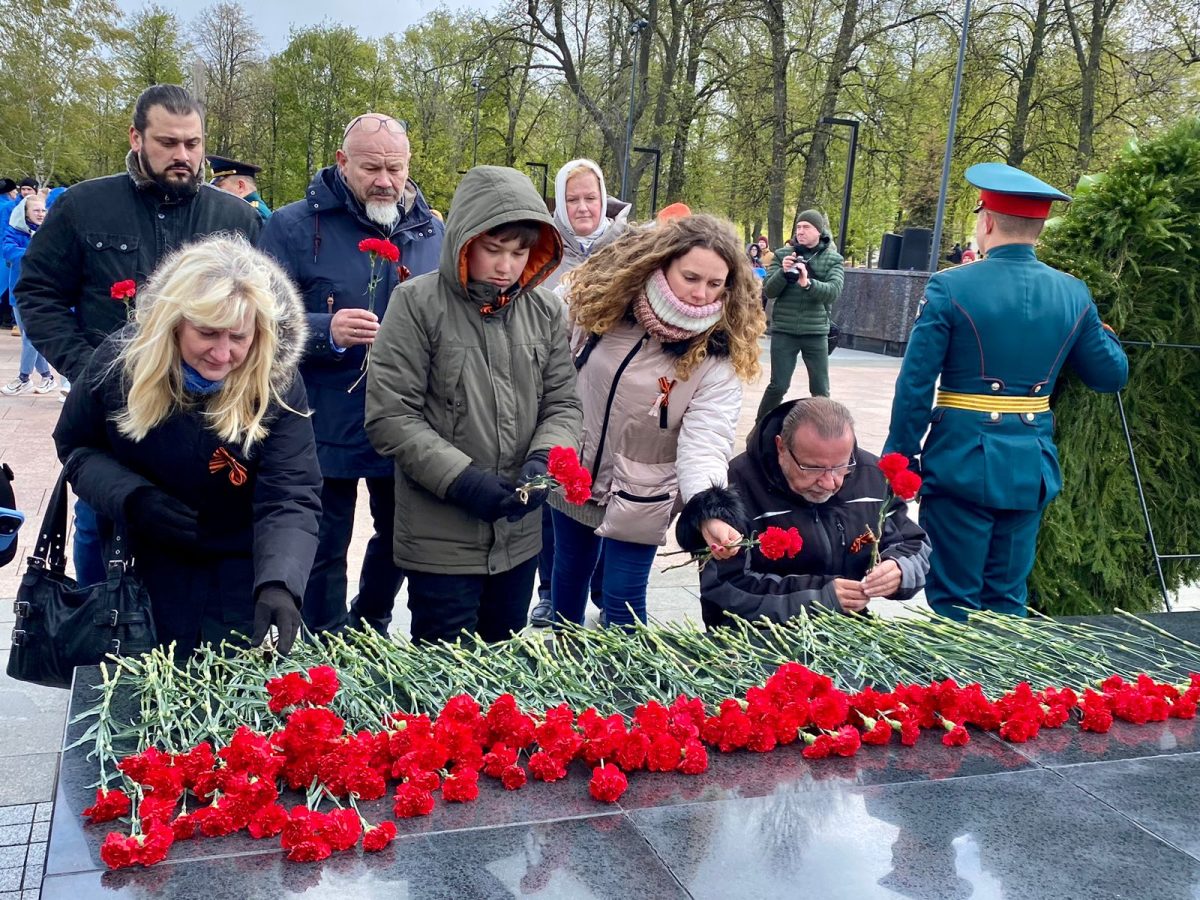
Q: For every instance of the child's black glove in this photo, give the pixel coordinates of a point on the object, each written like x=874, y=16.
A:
x=484, y=495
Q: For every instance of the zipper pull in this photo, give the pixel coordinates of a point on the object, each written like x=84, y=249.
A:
x=329, y=304
x=841, y=533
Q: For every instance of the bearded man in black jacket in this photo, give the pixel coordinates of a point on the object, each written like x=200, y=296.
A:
x=116, y=229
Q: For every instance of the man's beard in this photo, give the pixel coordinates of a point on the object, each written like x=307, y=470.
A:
x=383, y=212
x=173, y=188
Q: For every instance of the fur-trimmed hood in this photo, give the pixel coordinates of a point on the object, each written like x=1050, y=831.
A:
x=292, y=321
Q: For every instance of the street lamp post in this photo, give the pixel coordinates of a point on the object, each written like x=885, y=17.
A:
x=936, y=250
x=657, y=171
x=544, y=168
x=852, y=124
x=477, y=84
x=635, y=29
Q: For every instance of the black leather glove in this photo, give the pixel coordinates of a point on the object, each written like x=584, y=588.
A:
x=484, y=495
x=161, y=518
x=276, y=606
x=534, y=467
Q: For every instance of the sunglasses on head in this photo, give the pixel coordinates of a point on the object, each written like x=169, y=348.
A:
x=372, y=122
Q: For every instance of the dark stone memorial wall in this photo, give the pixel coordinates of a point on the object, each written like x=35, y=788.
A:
x=877, y=307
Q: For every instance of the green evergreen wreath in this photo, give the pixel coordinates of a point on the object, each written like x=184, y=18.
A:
x=1133, y=234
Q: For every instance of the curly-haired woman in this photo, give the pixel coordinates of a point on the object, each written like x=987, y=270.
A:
x=190, y=429
x=666, y=324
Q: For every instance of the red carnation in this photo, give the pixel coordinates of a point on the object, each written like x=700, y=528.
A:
x=109, y=805
x=847, y=741
x=268, y=821
x=323, y=685
x=385, y=249
x=545, y=767
x=184, y=827
x=123, y=290
x=563, y=463
x=286, y=690
x=411, y=801
x=775, y=543
x=461, y=786
x=120, y=850
x=578, y=489
x=695, y=758
x=906, y=484
x=608, y=783
x=892, y=464
x=513, y=777
x=955, y=736
x=821, y=746
x=878, y=733
x=155, y=843
x=376, y=837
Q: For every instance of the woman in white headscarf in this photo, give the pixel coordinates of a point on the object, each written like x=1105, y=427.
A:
x=581, y=206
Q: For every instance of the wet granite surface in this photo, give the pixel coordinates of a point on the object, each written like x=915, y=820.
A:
x=1067, y=815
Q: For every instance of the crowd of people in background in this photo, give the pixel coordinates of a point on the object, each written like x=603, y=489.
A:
x=236, y=373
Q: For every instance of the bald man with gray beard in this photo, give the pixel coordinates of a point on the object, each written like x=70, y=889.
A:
x=367, y=193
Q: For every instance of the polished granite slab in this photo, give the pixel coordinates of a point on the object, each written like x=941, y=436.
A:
x=1160, y=794
x=1028, y=835
x=1068, y=815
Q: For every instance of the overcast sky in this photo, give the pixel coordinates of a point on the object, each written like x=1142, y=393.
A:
x=371, y=18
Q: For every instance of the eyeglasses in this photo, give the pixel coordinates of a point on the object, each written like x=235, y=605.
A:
x=978, y=208
x=395, y=126
x=836, y=471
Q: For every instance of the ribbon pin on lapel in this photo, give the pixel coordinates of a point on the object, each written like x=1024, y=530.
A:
x=223, y=459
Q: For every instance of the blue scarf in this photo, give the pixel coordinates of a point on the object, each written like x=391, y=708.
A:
x=196, y=383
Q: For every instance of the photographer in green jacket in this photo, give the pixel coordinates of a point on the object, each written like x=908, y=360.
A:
x=804, y=280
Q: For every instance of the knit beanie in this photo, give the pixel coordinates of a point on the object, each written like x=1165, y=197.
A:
x=815, y=218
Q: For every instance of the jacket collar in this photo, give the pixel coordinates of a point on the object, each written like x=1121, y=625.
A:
x=1013, y=251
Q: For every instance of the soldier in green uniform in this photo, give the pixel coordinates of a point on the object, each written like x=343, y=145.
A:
x=237, y=178
x=997, y=333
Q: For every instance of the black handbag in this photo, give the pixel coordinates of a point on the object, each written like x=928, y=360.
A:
x=61, y=625
x=834, y=334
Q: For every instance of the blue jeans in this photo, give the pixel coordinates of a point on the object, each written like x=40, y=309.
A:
x=626, y=572
x=88, y=550
x=30, y=358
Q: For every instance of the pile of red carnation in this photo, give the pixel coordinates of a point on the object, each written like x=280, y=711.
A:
x=202, y=793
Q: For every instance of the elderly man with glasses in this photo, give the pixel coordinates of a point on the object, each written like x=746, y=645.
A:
x=367, y=193
x=803, y=469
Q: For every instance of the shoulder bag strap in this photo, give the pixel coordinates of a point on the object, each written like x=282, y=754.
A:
x=50, y=550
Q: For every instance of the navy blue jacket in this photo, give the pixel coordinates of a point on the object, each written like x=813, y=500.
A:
x=316, y=242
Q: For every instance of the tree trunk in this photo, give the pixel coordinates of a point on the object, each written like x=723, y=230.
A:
x=814, y=163
x=1017, y=148
x=777, y=170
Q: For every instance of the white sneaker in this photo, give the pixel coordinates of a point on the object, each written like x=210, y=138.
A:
x=45, y=385
x=16, y=386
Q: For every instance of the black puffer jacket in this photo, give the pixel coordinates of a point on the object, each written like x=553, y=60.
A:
x=98, y=233
x=253, y=530
x=749, y=585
